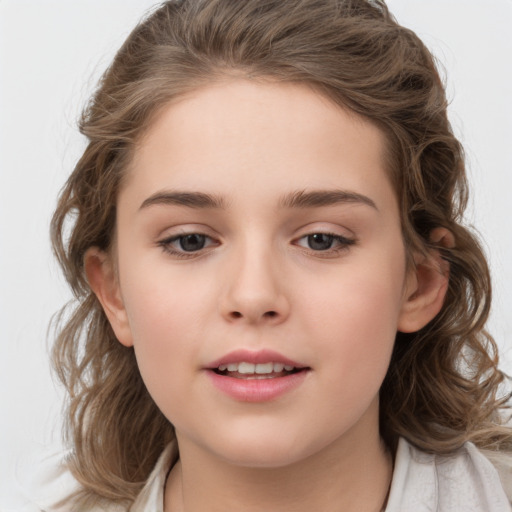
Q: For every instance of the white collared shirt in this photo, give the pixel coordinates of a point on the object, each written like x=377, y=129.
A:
x=463, y=482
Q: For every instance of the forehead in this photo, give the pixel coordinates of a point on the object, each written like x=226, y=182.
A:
x=243, y=136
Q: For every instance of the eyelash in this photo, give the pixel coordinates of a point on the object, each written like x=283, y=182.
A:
x=166, y=245
x=342, y=242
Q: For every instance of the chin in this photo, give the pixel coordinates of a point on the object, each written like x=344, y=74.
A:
x=259, y=451
x=268, y=458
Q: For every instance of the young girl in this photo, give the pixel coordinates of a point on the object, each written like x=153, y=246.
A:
x=278, y=307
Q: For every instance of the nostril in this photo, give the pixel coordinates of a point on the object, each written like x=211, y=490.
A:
x=267, y=314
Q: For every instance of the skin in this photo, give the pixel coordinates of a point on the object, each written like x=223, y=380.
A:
x=259, y=284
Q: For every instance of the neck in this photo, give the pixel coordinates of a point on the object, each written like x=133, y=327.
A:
x=351, y=474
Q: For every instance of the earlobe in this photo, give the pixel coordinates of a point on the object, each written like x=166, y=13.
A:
x=104, y=283
x=426, y=285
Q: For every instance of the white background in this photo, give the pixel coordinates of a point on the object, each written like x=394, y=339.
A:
x=51, y=54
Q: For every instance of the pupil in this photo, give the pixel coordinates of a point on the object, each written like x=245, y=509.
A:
x=193, y=242
x=320, y=241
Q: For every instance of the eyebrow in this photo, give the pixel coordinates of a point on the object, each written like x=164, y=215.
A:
x=190, y=199
x=318, y=198
x=298, y=199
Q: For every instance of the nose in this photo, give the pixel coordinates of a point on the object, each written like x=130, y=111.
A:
x=254, y=289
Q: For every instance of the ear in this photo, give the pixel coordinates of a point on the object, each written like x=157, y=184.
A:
x=426, y=285
x=103, y=281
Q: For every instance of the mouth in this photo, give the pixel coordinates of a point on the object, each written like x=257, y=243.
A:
x=261, y=376
x=257, y=371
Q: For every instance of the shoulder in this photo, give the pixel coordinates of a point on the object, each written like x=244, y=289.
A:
x=38, y=482
x=465, y=480
x=43, y=488
x=34, y=482
x=502, y=462
x=46, y=485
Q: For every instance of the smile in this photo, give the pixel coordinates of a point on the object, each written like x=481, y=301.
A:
x=256, y=376
x=245, y=370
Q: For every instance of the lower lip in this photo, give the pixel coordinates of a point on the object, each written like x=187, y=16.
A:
x=257, y=390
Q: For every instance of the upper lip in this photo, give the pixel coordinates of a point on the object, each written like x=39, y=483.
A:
x=255, y=357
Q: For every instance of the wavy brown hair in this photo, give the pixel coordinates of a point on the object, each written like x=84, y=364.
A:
x=443, y=383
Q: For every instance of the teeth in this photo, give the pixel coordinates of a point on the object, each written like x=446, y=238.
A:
x=264, y=368
x=246, y=367
x=260, y=368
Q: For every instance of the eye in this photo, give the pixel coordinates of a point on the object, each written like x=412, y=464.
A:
x=324, y=242
x=192, y=242
x=186, y=243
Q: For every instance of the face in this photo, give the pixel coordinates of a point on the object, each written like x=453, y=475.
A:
x=261, y=273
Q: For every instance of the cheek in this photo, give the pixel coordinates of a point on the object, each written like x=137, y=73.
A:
x=363, y=322
x=355, y=321
x=163, y=313
x=161, y=300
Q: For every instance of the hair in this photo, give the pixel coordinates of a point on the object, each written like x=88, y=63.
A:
x=443, y=386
